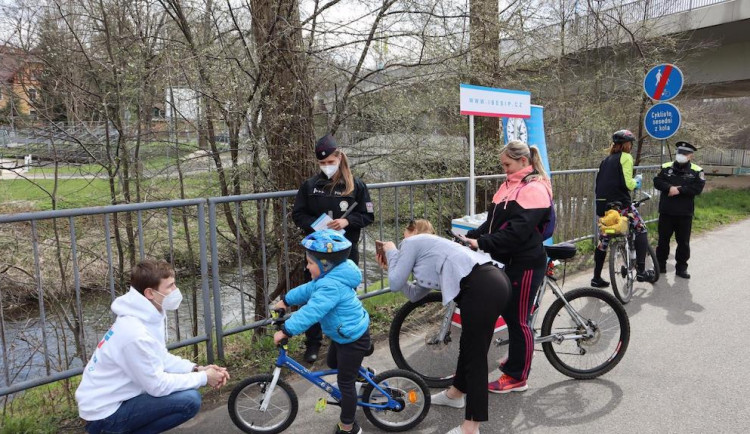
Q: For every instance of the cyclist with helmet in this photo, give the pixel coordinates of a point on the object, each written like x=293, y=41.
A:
x=614, y=182
x=331, y=300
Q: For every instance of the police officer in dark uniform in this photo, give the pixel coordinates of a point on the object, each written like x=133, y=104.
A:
x=336, y=192
x=679, y=182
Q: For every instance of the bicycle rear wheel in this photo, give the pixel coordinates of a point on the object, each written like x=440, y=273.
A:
x=415, y=347
x=592, y=356
x=621, y=271
x=405, y=387
x=245, y=401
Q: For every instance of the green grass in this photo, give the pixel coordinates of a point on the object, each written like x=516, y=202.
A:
x=81, y=193
x=44, y=409
x=72, y=193
x=720, y=206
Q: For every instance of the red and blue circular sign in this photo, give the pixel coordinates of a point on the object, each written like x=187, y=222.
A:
x=663, y=82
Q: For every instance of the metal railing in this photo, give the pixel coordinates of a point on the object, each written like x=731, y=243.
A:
x=56, y=254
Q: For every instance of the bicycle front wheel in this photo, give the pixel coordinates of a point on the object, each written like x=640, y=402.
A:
x=621, y=271
x=247, y=397
x=405, y=387
x=575, y=354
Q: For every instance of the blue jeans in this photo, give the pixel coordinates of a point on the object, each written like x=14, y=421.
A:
x=148, y=414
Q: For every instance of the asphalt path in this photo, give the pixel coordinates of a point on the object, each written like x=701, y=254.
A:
x=685, y=370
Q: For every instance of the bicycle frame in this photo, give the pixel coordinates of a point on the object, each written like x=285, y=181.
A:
x=315, y=377
x=550, y=281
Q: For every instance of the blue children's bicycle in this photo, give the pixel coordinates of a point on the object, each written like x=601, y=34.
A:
x=394, y=401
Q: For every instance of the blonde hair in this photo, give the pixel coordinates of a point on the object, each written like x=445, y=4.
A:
x=620, y=147
x=344, y=173
x=516, y=149
x=420, y=226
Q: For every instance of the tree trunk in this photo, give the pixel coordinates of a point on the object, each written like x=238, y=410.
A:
x=287, y=113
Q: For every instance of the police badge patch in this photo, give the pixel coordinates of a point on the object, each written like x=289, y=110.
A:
x=370, y=207
x=344, y=205
x=702, y=176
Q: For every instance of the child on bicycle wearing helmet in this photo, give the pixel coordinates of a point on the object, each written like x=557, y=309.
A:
x=331, y=299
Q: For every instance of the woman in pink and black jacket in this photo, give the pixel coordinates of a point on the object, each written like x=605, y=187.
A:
x=512, y=234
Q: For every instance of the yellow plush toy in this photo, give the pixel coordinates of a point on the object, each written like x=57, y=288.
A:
x=613, y=223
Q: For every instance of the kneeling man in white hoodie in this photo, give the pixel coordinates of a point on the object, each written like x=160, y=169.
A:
x=132, y=383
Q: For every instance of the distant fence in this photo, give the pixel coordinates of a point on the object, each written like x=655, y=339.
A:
x=724, y=157
x=39, y=345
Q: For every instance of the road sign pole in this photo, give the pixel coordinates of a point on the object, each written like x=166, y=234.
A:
x=472, y=180
x=661, y=157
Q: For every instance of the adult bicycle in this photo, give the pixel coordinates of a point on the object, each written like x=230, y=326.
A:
x=622, y=258
x=584, y=334
x=394, y=401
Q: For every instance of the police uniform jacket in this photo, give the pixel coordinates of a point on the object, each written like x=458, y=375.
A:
x=316, y=197
x=689, y=179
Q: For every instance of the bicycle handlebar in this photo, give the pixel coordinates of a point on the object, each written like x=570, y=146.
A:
x=641, y=201
x=277, y=318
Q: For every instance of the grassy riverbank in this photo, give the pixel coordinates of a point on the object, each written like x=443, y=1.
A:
x=50, y=408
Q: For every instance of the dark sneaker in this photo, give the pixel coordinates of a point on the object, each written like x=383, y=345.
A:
x=598, y=282
x=646, y=276
x=311, y=354
x=663, y=268
x=355, y=429
x=683, y=273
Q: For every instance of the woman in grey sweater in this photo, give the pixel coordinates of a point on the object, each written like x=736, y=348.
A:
x=481, y=290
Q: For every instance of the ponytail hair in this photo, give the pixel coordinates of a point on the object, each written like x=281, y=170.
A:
x=516, y=149
x=343, y=174
x=616, y=147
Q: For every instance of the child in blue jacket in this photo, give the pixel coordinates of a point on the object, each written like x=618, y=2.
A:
x=331, y=299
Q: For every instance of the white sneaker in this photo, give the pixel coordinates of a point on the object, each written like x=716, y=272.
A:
x=457, y=430
x=442, y=399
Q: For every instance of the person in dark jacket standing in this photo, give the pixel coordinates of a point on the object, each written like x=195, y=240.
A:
x=336, y=192
x=512, y=234
x=679, y=182
x=614, y=182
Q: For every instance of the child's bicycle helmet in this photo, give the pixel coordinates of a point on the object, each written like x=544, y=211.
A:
x=328, y=248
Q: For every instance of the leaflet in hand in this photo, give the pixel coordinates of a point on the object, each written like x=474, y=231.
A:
x=322, y=223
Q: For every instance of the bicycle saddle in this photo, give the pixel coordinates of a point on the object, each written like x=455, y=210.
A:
x=614, y=205
x=561, y=251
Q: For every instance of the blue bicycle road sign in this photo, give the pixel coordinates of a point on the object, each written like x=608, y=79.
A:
x=663, y=82
x=662, y=121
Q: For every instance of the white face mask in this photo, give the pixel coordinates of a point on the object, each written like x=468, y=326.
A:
x=681, y=158
x=330, y=169
x=171, y=301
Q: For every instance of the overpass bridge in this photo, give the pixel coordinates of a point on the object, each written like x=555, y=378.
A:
x=719, y=72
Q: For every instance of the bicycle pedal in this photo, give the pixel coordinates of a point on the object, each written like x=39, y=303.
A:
x=320, y=405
